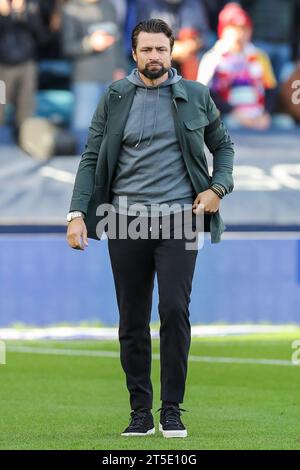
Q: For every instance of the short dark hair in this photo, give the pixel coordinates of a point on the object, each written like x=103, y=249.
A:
x=154, y=25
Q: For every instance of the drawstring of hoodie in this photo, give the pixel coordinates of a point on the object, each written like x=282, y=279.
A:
x=135, y=78
x=143, y=119
x=155, y=118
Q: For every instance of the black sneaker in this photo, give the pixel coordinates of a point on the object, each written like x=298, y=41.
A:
x=141, y=423
x=170, y=423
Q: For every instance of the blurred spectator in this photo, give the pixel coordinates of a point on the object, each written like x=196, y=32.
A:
x=121, y=11
x=21, y=31
x=213, y=8
x=51, y=11
x=90, y=36
x=188, y=20
x=273, y=26
x=296, y=33
x=130, y=23
x=290, y=88
x=290, y=94
x=237, y=72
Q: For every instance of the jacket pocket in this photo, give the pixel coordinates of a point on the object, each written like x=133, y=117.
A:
x=194, y=134
x=196, y=123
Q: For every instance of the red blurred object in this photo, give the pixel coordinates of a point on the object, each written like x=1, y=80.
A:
x=233, y=15
x=189, y=68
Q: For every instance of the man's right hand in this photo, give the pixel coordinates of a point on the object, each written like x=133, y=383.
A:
x=77, y=234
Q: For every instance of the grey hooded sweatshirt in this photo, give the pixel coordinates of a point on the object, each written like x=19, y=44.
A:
x=150, y=168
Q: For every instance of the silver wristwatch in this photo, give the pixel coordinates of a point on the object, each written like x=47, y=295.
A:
x=73, y=215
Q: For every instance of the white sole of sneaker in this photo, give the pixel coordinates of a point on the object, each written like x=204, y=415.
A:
x=134, y=434
x=167, y=434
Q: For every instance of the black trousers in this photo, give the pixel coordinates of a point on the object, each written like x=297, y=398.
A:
x=134, y=264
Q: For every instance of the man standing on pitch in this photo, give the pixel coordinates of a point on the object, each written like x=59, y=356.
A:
x=146, y=142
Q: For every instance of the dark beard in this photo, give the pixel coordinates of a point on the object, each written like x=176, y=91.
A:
x=154, y=74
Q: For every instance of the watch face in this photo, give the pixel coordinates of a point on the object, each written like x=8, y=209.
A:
x=69, y=217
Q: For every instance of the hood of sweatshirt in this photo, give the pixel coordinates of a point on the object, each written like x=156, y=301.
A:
x=173, y=77
x=135, y=78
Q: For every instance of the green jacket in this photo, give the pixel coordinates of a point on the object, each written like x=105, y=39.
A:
x=196, y=122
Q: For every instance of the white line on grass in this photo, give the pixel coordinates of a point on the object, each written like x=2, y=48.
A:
x=91, y=353
x=197, y=331
x=56, y=174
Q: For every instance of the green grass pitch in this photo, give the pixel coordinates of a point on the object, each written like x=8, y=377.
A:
x=51, y=401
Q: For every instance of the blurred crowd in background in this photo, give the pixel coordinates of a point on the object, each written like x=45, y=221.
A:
x=58, y=56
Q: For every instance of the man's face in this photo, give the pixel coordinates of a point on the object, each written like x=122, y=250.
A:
x=153, y=54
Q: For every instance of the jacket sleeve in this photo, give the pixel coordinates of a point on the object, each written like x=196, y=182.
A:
x=85, y=177
x=220, y=145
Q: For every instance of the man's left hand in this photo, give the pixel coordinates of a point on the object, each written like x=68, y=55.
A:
x=209, y=201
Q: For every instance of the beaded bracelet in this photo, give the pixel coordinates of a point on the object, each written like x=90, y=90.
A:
x=218, y=190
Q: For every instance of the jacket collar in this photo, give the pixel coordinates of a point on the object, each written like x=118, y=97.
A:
x=179, y=90
x=125, y=86
x=122, y=86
